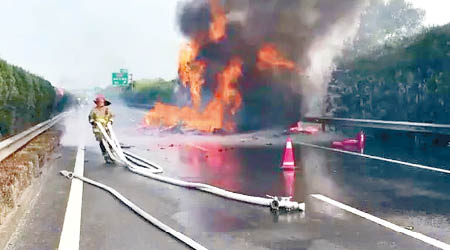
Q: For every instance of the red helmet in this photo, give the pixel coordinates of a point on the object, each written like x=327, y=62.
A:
x=101, y=97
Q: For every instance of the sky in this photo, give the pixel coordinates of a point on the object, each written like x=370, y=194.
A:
x=79, y=43
x=436, y=11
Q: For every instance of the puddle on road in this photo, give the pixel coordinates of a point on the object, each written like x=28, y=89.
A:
x=379, y=188
x=370, y=185
x=251, y=170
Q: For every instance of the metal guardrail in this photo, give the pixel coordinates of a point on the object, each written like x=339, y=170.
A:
x=140, y=106
x=442, y=129
x=12, y=144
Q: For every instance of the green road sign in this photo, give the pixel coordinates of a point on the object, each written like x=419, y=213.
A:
x=120, y=79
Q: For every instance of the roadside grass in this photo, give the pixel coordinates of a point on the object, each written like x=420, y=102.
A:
x=19, y=169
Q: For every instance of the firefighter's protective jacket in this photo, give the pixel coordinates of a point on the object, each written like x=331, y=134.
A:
x=101, y=115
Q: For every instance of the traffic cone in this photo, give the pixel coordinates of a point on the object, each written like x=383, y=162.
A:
x=361, y=137
x=288, y=158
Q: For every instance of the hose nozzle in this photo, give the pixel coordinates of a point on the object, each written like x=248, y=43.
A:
x=285, y=203
x=67, y=174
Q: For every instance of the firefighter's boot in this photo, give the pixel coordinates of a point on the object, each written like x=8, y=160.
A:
x=108, y=159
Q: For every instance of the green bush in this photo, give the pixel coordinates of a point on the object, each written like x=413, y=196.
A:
x=25, y=99
x=148, y=91
x=409, y=82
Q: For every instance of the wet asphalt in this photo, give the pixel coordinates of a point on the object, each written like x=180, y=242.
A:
x=249, y=163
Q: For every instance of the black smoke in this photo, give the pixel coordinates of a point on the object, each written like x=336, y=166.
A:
x=194, y=17
x=276, y=97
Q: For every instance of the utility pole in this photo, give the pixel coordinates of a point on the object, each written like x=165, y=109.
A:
x=131, y=82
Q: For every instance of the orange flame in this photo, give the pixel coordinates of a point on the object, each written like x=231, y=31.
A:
x=220, y=111
x=219, y=21
x=188, y=53
x=269, y=57
x=217, y=114
x=191, y=71
x=196, y=82
x=227, y=89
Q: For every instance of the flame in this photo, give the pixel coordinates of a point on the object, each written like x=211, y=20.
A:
x=227, y=90
x=196, y=82
x=218, y=113
x=191, y=71
x=269, y=57
x=188, y=53
x=219, y=20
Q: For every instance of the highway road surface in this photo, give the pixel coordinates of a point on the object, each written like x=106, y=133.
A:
x=409, y=197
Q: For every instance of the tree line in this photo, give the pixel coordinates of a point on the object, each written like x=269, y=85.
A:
x=408, y=81
x=147, y=91
x=26, y=99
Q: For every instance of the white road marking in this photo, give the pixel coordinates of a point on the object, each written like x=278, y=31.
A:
x=409, y=164
x=70, y=235
x=384, y=223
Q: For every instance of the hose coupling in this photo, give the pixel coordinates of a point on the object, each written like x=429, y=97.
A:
x=285, y=203
x=67, y=174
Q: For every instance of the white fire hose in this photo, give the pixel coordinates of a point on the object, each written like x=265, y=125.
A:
x=150, y=169
x=188, y=241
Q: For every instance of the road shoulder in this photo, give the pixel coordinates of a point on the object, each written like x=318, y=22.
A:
x=41, y=224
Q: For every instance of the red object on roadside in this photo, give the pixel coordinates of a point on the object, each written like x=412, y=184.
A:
x=352, y=144
x=299, y=128
x=288, y=157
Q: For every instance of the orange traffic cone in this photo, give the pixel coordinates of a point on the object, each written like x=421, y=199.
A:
x=288, y=158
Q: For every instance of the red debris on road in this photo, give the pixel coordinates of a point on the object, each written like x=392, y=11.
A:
x=298, y=127
x=356, y=144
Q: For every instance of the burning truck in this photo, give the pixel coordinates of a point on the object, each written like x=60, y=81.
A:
x=245, y=62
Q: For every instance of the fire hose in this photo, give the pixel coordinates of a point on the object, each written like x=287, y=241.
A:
x=150, y=169
x=188, y=241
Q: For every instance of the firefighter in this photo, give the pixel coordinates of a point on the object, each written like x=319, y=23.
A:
x=101, y=114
